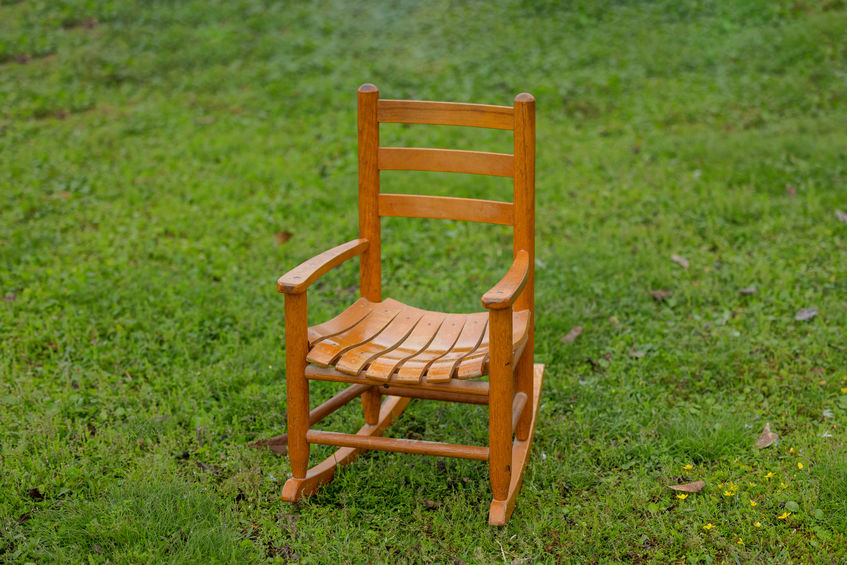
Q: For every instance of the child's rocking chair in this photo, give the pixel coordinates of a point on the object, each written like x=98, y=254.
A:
x=387, y=349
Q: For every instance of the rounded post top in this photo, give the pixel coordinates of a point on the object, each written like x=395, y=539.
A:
x=368, y=87
x=524, y=97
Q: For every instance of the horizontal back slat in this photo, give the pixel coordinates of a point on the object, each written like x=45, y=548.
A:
x=445, y=160
x=446, y=208
x=446, y=113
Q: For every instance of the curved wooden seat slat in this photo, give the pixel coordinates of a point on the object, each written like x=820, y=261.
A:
x=327, y=351
x=393, y=342
x=383, y=366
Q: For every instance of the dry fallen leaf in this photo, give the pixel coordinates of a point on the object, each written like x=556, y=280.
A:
x=569, y=337
x=791, y=190
x=282, y=236
x=660, y=295
x=841, y=216
x=277, y=444
x=679, y=260
x=767, y=438
x=696, y=486
x=748, y=290
x=805, y=314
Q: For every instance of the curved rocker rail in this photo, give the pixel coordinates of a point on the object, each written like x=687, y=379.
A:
x=501, y=510
x=295, y=489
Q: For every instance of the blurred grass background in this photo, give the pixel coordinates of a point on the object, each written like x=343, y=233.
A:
x=161, y=163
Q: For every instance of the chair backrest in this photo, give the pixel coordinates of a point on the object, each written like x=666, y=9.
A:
x=520, y=165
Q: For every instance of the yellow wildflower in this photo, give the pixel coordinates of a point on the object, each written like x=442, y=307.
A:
x=758, y=524
x=783, y=485
x=844, y=390
x=682, y=496
x=708, y=526
x=740, y=541
x=791, y=451
x=784, y=515
x=769, y=475
x=728, y=493
x=799, y=465
x=753, y=502
x=688, y=467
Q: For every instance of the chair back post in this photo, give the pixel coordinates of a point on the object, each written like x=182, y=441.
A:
x=524, y=198
x=370, y=270
x=524, y=201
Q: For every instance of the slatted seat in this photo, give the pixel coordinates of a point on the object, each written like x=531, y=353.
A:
x=389, y=352
x=392, y=342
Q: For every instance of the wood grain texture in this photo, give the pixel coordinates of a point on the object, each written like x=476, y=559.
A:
x=506, y=292
x=356, y=359
x=370, y=268
x=524, y=199
x=382, y=367
x=442, y=368
x=412, y=371
x=445, y=160
x=343, y=322
x=299, y=278
x=474, y=365
x=446, y=208
x=477, y=388
x=296, y=385
x=327, y=351
x=500, y=403
x=445, y=113
x=296, y=488
x=479, y=453
x=501, y=510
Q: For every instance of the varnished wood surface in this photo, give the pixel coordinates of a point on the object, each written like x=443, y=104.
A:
x=524, y=240
x=445, y=160
x=476, y=388
x=298, y=279
x=469, y=339
x=370, y=267
x=501, y=509
x=343, y=322
x=296, y=488
x=328, y=350
x=501, y=391
x=402, y=445
x=506, y=292
x=382, y=367
x=413, y=346
x=445, y=113
x=296, y=385
x=446, y=208
x=382, y=347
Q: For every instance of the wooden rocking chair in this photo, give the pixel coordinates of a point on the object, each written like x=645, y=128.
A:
x=385, y=348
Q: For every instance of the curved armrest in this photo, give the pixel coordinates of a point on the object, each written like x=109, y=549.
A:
x=298, y=279
x=503, y=294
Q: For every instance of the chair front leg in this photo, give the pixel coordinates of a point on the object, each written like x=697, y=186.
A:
x=501, y=393
x=296, y=385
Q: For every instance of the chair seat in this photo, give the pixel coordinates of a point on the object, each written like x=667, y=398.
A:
x=389, y=340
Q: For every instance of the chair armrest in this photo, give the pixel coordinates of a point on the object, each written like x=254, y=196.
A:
x=298, y=279
x=503, y=294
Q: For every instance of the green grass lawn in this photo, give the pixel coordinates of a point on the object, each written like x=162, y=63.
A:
x=162, y=163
